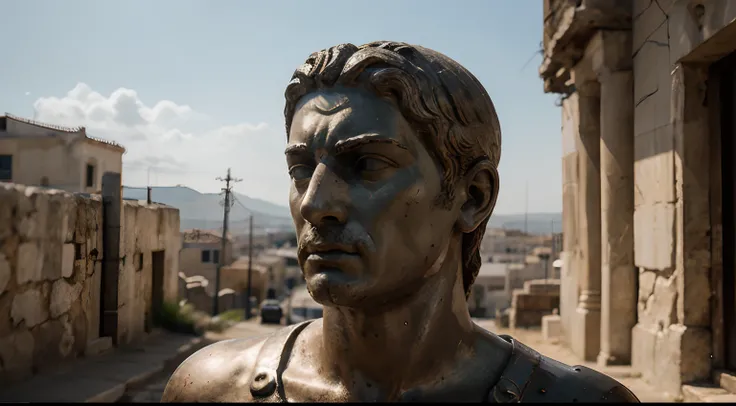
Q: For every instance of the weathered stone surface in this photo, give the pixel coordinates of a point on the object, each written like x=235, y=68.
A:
x=51, y=268
x=16, y=352
x=7, y=204
x=654, y=167
x=62, y=296
x=29, y=307
x=551, y=327
x=646, y=283
x=67, y=260
x=4, y=273
x=661, y=306
x=654, y=236
x=653, y=83
x=78, y=321
x=643, y=341
x=30, y=263
x=47, y=337
x=66, y=344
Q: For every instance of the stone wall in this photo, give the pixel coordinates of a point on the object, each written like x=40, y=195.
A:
x=146, y=229
x=50, y=274
x=672, y=338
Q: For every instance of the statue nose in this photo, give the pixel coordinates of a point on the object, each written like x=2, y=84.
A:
x=326, y=199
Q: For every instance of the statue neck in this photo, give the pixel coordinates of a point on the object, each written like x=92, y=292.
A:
x=412, y=342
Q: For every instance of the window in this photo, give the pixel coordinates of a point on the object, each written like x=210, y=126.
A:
x=205, y=255
x=216, y=256
x=6, y=167
x=90, y=175
x=139, y=265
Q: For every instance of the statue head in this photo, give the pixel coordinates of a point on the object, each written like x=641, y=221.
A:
x=393, y=152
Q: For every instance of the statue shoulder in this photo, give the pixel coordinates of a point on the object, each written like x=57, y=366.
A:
x=532, y=377
x=213, y=373
x=577, y=384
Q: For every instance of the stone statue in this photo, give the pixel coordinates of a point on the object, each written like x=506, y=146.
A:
x=392, y=151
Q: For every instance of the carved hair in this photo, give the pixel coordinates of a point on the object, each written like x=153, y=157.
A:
x=445, y=104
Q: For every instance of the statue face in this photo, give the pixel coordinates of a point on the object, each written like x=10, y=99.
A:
x=363, y=199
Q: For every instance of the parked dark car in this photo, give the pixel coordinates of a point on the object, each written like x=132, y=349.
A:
x=271, y=312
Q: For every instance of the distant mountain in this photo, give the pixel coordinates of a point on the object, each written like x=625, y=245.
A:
x=536, y=223
x=204, y=210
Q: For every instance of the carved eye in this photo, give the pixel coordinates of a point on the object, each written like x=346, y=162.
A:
x=300, y=172
x=372, y=164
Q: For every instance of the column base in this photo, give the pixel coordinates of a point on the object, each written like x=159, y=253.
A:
x=586, y=340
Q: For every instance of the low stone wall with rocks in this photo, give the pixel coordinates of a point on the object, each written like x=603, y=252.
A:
x=50, y=274
x=538, y=298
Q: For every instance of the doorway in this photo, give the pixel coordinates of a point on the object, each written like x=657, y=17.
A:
x=725, y=70
x=157, y=289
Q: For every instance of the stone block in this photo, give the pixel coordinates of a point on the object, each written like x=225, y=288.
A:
x=4, y=273
x=650, y=16
x=528, y=301
x=643, y=342
x=67, y=260
x=30, y=263
x=51, y=252
x=63, y=295
x=654, y=166
x=8, y=201
x=16, y=351
x=526, y=318
x=29, y=306
x=653, y=83
x=654, y=236
x=646, y=283
x=661, y=306
x=551, y=327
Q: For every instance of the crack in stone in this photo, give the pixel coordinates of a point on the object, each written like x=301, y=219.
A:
x=636, y=17
x=646, y=97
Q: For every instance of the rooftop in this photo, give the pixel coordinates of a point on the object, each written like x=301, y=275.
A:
x=67, y=130
x=202, y=236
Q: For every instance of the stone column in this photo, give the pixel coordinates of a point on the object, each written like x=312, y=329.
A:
x=586, y=341
x=618, y=273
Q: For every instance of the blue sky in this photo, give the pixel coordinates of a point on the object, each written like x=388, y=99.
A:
x=191, y=88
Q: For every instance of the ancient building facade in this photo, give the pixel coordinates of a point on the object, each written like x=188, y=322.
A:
x=646, y=92
x=63, y=261
x=33, y=153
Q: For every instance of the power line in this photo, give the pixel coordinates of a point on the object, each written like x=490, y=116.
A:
x=223, y=251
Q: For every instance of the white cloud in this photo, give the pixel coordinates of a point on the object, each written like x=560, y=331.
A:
x=178, y=144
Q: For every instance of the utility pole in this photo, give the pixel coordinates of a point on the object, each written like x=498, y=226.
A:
x=526, y=209
x=248, y=311
x=223, y=251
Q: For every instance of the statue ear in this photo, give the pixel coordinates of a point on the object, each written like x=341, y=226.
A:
x=481, y=192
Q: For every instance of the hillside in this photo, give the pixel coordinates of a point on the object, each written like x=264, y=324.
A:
x=204, y=210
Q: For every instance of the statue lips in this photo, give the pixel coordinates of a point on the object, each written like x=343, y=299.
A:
x=330, y=256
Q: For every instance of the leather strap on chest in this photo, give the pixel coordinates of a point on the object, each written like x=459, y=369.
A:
x=266, y=384
x=519, y=371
